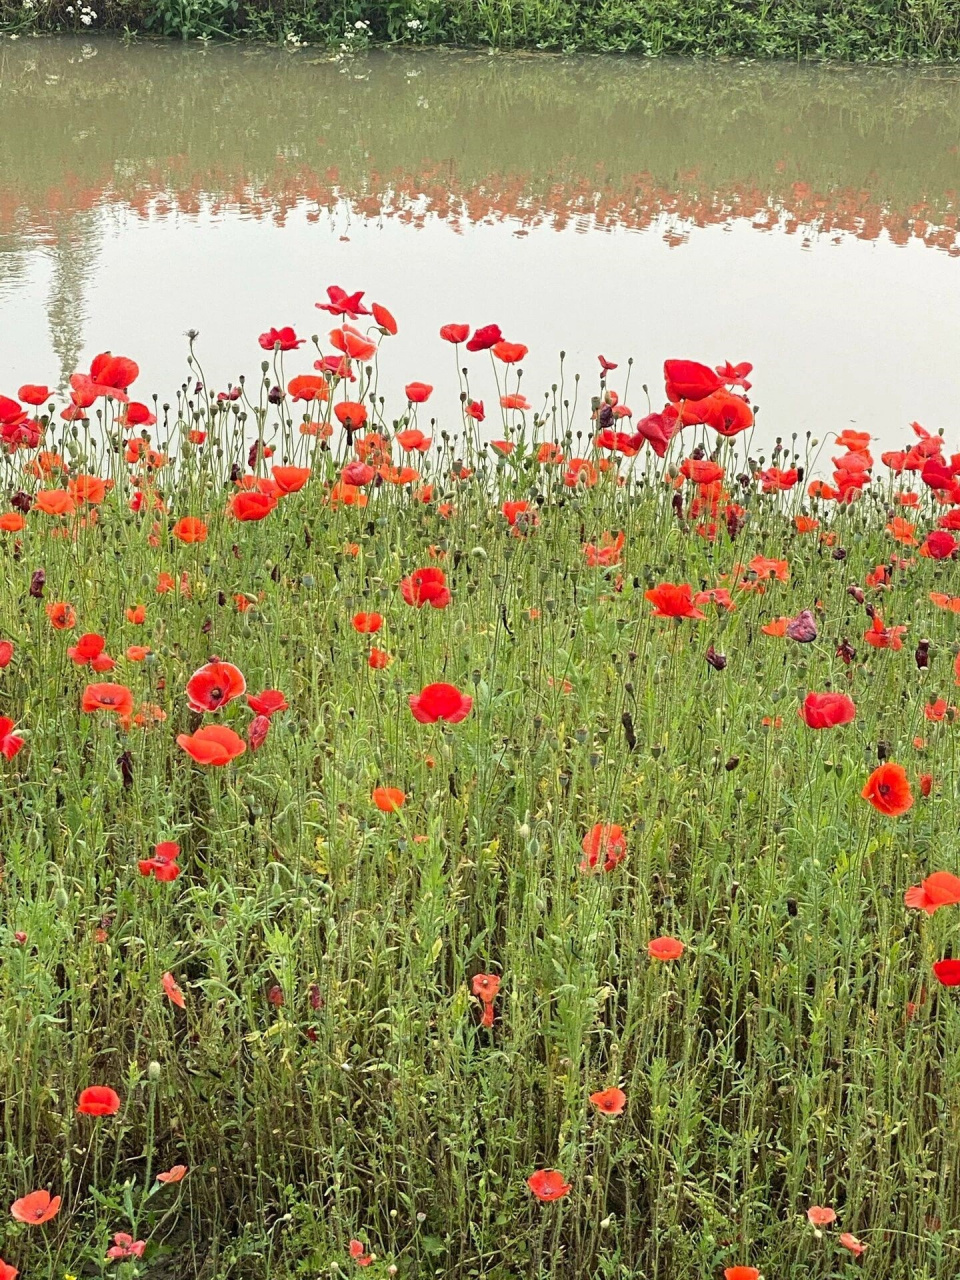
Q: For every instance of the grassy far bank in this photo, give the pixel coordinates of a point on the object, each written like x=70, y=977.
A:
x=854, y=30
x=357, y=963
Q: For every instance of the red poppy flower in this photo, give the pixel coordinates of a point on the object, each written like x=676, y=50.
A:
x=384, y=318
x=214, y=685
x=611, y=1101
x=113, y=373
x=357, y=1254
x=413, y=440
x=252, y=505
x=509, y=352
x=350, y=413
x=938, y=890
x=485, y=337
x=124, y=1246
x=54, y=502
x=735, y=375
x=827, y=710
x=163, y=865
x=947, y=972
x=455, y=333
x=689, y=380
x=7, y=1272
x=388, y=799
x=34, y=393
x=440, y=702
x=283, y=339
x=6, y=653
x=61, y=615
x=98, y=1100
x=257, y=731
x=213, y=745
x=10, y=744
x=307, y=386
x=606, y=365
x=290, y=479
x=665, y=948
x=175, y=996
x=367, y=624
x=36, y=1207
x=189, y=529
x=938, y=545
x=485, y=987
x=474, y=409
x=267, y=703
x=605, y=847
x=418, y=392
x=888, y=790
x=352, y=343
x=88, y=648
x=176, y=1173
x=850, y=1241
x=107, y=697
x=548, y=1184
x=741, y=1273
x=820, y=1216
x=343, y=304
x=426, y=586
x=670, y=601
x=379, y=659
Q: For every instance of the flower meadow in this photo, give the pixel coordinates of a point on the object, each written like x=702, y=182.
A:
x=454, y=856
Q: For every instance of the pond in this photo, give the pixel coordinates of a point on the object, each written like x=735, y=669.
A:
x=804, y=218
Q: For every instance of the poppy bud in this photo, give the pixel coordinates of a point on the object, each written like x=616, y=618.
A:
x=37, y=583
x=154, y=1071
x=20, y=938
x=61, y=898
x=257, y=732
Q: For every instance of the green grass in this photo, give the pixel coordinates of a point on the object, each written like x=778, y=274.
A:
x=881, y=30
x=328, y=1078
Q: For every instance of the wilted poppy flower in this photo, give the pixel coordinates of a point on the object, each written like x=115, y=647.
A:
x=213, y=745
x=190, y=529
x=257, y=731
x=665, y=948
x=342, y=303
x=388, y=799
x=938, y=890
x=36, y=1207
x=98, y=1100
x=821, y=1217
x=888, y=790
x=802, y=628
x=605, y=847
x=367, y=623
x=440, y=702
x=673, y=601
x=485, y=987
x=163, y=865
x=548, y=1184
x=426, y=586
x=827, y=710
x=418, y=392
x=611, y=1101
x=176, y=1173
x=173, y=994
x=10, y=744
x=214, y=685
x=107, y=697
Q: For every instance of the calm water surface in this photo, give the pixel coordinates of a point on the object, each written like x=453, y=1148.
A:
x=807, y=219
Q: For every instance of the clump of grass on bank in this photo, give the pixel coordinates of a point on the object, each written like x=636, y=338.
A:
x=867, y=30
x=362, y=1010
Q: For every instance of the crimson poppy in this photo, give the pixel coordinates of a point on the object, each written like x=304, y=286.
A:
x=214, y=685
x=7, y=1272
x=689, y=380
x=308, y=386
x=741, y=1273
x=35, y=1207
x=343, y=304
x=548, y=1184
x=284, y=339
x=107, y=697
x=10, y=744
x=215, y=745
x=485, y=987
x=888, y=790
x=257, y=731
x=357, y=1254
x=440, y=702
x=673, y=601
x=610, y=1101
x=474, y=409
x=827, y=710
x=6, y=653
x=426, y=586
x=163, y=864
x=485, y=337
x=947, y=972
x=418, y=392
x=938, y=545
x=267, y=703
x=34, y=393
x=367, y=623
x=98, y=1100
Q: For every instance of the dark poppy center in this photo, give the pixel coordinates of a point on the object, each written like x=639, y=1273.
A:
x=884, y=788
x=216, y=694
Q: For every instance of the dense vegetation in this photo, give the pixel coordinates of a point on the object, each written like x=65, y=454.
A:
x=841, y=29
x=357, y=976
